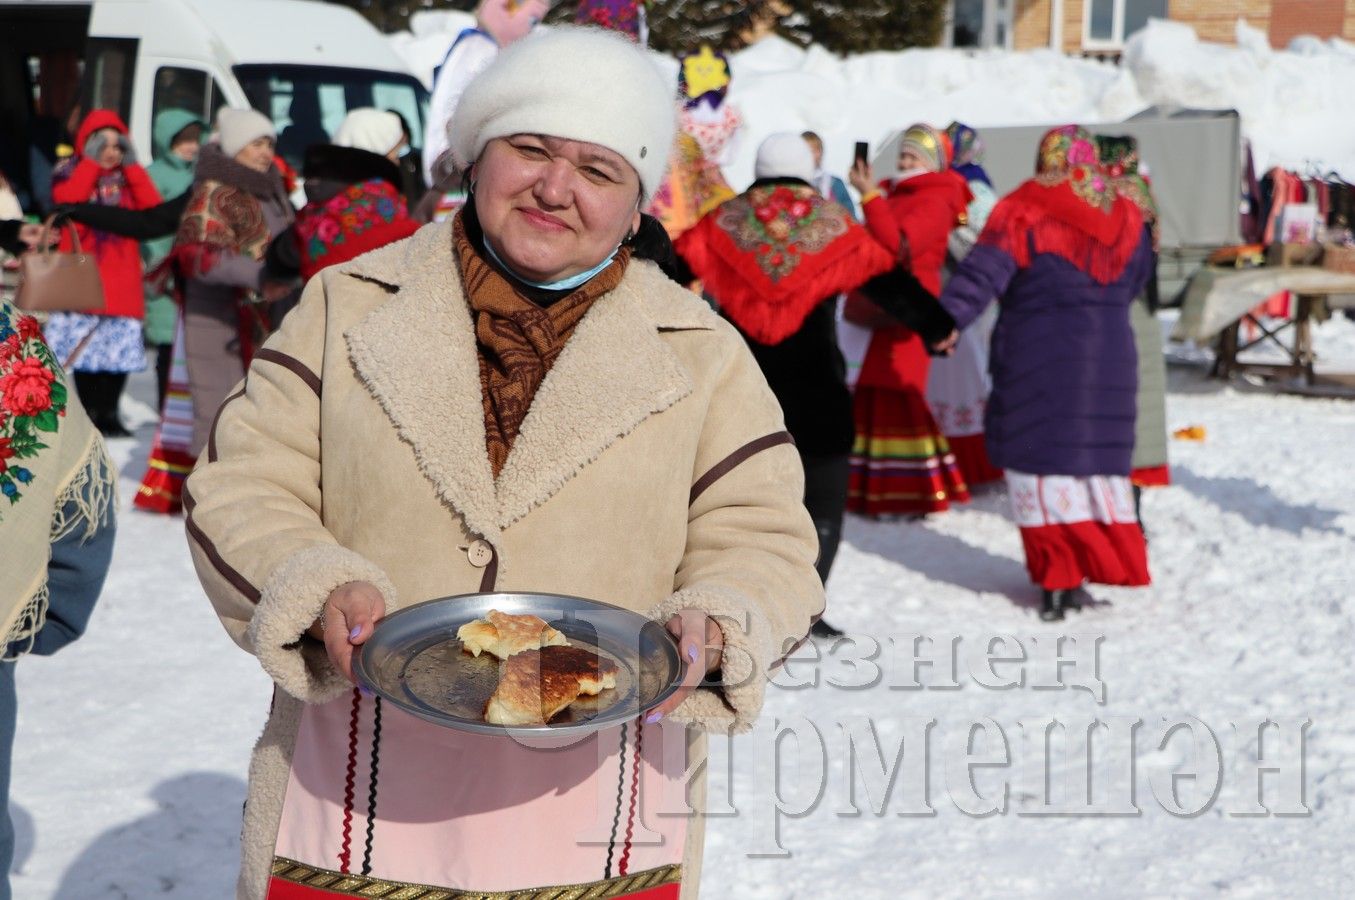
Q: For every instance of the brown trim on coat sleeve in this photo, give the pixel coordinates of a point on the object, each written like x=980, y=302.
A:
x=223, y=568
x=216, y=419
x=733, y=460
x=292, y=364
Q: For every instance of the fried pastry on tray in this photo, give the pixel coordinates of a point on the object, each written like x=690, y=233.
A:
x=503, y=635
x=536, y=685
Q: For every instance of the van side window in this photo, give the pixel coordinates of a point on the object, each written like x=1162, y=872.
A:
x=180, y=88
x=307, y=103
x=109, y=74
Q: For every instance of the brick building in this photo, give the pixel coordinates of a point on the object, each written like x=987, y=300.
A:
x=1101, y=26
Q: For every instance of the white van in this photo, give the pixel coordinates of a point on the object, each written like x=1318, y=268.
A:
x=302, y=63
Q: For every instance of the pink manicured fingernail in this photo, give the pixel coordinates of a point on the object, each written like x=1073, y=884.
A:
x=353, y=635
x=653, y=717
x=691, y=653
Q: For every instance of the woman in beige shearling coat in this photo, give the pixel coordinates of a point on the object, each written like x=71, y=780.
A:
x=372, y=459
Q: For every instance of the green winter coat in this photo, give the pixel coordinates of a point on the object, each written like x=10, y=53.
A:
x=1150, y=428
x=172, y=176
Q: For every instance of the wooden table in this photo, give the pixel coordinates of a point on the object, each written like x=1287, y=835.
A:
x=1299, y=354
x=1218, y=302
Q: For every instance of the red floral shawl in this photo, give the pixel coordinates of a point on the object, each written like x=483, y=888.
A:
x=773, y=253
x=359, y=218
x=1070, y=209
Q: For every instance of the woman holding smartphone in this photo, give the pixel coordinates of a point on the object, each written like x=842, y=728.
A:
x=901, y=462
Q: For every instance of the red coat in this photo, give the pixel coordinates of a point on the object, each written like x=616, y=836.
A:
x=119, y=258
x=923, y=210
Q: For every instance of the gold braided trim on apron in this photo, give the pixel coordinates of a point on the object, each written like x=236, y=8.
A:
x=364, y=886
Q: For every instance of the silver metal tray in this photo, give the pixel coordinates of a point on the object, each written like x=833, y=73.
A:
x=415, y=661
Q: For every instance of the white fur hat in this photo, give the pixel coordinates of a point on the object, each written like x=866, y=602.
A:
x=236, y=128
x=370, y=129
x=785, y=155
x=580, y=84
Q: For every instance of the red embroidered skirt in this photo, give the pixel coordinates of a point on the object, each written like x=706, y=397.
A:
x=901, y=462
x=171, y=458
x=1078, y=530
x=1151, y=476
x=971, y=454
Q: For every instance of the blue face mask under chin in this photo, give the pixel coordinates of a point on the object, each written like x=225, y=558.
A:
x=564, y=284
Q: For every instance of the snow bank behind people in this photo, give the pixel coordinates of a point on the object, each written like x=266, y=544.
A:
x=1296, y=104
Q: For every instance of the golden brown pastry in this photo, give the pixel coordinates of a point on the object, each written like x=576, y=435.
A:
x=536, y=685
x=502, y=635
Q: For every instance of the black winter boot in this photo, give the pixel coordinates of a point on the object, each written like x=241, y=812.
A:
x=826, y=481
x=87, y=388
x=111, y=425
x=164, y=361
x=99, y=393
x=1052, y=611
x=822, y=629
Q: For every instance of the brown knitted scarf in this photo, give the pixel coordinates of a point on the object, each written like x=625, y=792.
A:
x=518, y=340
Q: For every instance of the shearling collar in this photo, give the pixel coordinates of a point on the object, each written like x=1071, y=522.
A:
x=670, y=306
x=416, y=354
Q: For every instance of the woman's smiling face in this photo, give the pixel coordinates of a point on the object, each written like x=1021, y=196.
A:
x=552, y=208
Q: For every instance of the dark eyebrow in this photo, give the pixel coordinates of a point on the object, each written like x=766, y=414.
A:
x=592, y=156
x=587, y=157
x=609, y=166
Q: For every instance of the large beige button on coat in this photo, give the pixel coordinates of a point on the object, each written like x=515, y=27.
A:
x=480, y=554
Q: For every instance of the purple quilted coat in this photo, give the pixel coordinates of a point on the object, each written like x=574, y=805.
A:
x=1064, y=366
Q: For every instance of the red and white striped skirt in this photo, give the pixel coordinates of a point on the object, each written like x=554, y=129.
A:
x=1077, y=530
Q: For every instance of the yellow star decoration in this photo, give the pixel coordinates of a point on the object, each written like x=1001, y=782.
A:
x=704, y=72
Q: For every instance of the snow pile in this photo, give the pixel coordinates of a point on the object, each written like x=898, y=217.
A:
x=780, y=87
x=1295, y=104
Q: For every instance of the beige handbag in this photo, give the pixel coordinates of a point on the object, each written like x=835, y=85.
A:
x=58, y=282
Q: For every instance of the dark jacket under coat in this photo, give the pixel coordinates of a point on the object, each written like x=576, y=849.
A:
x=808, y=374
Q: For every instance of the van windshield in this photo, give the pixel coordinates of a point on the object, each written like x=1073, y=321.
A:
x=307, y=103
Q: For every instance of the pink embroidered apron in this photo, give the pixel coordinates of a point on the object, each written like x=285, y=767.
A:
x=378, y=797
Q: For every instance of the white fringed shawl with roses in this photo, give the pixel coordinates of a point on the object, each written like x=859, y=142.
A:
x=51, y=458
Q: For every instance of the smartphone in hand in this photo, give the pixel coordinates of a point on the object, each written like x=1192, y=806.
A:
x=862, y=152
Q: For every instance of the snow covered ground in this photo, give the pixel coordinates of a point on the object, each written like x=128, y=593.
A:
x=132, y=748
x=1296, y=106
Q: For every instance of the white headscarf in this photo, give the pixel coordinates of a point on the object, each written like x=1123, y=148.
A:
x=370, y=129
